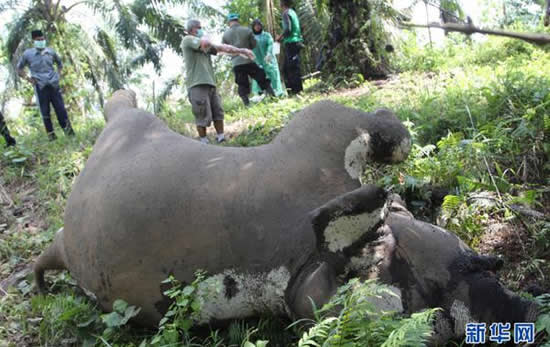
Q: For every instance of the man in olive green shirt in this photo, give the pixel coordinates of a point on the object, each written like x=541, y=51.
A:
x=243, y=37
x=200, y=79
x=292, y=40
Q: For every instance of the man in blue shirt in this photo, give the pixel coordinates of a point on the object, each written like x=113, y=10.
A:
x=45, y=80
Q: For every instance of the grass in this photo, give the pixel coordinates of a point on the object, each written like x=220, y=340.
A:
x=479, y=116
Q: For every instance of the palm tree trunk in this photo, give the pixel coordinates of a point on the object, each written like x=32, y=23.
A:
x=547, y=14
x=352, y=47
x=270, y=16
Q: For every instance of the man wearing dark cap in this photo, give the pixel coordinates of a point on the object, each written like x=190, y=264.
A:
x=243, y=67
x=10, y=141
x=45, y=79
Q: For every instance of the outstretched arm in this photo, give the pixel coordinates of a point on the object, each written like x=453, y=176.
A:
x=206, y=44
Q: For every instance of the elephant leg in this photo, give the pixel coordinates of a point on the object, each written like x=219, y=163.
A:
x=312, y=288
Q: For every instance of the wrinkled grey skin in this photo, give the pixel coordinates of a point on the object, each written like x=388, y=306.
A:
x=432, y=267
x=426, y=267
x=150, y=203
x=275, y=226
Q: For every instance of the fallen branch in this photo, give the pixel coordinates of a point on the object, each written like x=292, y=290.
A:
x=468, y=29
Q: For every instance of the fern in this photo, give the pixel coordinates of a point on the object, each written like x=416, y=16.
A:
x=361, y=323
x=413, y=331
x=451, y=202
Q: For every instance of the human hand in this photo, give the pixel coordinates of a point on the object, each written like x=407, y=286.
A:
x=31, y=80
x=279, y=38
x=248, y=54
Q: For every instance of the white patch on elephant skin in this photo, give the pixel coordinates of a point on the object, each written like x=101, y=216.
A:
x=401, y=152
x=233, y=294
x=357, y=154
x=462, y=316
x=342, y=232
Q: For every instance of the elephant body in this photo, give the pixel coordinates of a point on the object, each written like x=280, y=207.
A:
x=274, y=226
x=150, y=202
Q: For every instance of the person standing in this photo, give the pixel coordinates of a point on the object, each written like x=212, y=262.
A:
x=266, y=59
x=10, y=141
x=244, y=67
x=293, y=43
x=45, y=79
x=200, y=79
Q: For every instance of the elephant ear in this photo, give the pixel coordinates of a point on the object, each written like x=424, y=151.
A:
x=346, y=223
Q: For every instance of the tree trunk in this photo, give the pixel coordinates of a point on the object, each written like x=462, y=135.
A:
x=352, y=47
x=547, y=14
x=270, y=17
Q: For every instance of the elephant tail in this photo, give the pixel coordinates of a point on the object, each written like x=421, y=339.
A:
x=53, y=258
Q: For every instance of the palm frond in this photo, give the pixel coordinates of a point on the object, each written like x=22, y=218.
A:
x=94, y=77
x=132, y=37
x=167, y=90
x=163, y=26
x=196, y=8
x=107, y=45
x=8, y=5
x=19, y=30
x=105, y=9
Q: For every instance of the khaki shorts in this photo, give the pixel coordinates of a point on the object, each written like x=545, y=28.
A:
x=206, y=104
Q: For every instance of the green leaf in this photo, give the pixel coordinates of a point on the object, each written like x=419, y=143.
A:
x=163, y=321
x=182, y=302
x=188, y=290
x=130, y=312
x=120, y=306
x=156, y=340
x=543, y=323
x=112, y=319
x=196, y=305
x=186, y=324
x=87, y=323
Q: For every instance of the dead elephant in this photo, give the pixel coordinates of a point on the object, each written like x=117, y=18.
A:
x=151, y=202
x=273, y=225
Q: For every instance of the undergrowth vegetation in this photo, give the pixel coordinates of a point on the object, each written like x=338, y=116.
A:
x=479, y=115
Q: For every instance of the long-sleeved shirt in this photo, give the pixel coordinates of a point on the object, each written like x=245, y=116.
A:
x=241, y=37
x=40, y=63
